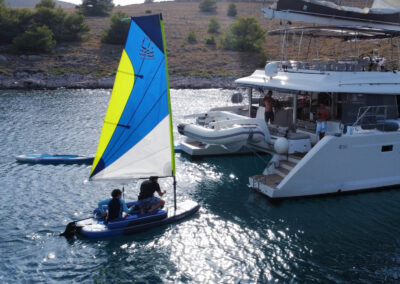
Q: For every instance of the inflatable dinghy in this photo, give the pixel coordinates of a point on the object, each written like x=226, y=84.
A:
x=54, y=159
x=95, y=228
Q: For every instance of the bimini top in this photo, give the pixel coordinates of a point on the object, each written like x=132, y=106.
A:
x=298, y=80
x=136, y=140
x=343, y=32
x=324, y=12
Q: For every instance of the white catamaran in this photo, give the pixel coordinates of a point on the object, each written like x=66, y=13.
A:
x=361, y=147
x=137, y=139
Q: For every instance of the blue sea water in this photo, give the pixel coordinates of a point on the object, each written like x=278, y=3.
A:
x=237, y=237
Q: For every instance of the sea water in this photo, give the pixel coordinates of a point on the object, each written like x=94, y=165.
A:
x=238, y=235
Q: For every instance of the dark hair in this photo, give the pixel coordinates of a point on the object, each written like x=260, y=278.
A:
x=116, y=192
x=153, y=178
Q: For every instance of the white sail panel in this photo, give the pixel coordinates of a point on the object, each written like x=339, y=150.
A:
x=150, y=157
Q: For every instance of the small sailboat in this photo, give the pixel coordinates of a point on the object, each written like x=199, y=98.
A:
x=137, y=140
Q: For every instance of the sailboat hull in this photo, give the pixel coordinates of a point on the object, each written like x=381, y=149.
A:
x=93, y=228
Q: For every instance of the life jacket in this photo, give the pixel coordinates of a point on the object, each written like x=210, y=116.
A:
x=114, y=209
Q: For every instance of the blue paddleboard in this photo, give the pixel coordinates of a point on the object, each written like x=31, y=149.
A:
x=54, y=159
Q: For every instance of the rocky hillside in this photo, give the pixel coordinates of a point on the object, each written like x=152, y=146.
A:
x=98, y=60
x=32, y=3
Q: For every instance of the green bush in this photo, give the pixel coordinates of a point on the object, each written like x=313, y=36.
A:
x=209, y=6
x=46, y=4
x=210, y=40
x=74, y=28
x=191, y=37
x=52, y=18
x=244, y=35
x=213, y=26
x=35, y=40
x=13, y=22
x=232, y=11
x=64, y=28
x=96, y=7
x=118, y=30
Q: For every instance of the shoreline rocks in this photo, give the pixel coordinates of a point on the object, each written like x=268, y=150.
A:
x=28, y=81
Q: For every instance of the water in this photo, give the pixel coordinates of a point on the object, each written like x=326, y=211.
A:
x=238, y=236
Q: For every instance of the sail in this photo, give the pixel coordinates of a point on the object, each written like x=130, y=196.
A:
x=136, y=140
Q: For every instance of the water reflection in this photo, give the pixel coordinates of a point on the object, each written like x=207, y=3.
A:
x=238, y=235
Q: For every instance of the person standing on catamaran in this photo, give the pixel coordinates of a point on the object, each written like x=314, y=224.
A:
x=147, y=201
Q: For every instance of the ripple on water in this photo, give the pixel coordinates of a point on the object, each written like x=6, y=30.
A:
x=237, y=236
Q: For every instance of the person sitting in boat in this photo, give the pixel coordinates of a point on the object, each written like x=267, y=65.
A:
x=116, y=206
x=322, y=118
x=147, y=201
x=268, y=103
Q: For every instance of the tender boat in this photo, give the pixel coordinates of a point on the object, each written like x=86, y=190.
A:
x=137, y=141
x=54, y=159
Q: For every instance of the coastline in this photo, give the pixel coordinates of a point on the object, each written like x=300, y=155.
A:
x=40, y=81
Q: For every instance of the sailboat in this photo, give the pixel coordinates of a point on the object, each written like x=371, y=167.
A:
x=137, y=141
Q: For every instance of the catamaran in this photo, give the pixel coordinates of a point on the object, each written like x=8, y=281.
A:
x=360, y=148
x=137, y=141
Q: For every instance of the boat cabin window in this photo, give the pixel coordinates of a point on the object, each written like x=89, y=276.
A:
x=368, y=109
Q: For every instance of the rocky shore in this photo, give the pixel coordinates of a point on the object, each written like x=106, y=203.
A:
x=26, y=81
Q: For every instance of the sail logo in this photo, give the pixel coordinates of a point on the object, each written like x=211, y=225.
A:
x=146, y=49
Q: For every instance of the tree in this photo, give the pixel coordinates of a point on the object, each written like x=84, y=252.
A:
x=209, y=6
x=52, y=18
x=191, y=37
x=96, y=7
x=118, y=30
x=74, y=28
x=244, y=35
x=232, y=11
x=213, y=26
x=210, y=40
x=46, y=3
x=35, y=40
x=13, y=22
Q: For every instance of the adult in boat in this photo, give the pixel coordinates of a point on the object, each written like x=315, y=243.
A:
x=322, y=118
x=269, y=112
x=147, y=201
x=116, y=206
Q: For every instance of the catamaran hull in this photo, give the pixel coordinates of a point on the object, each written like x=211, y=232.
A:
x=361, y=162
x=91, y=228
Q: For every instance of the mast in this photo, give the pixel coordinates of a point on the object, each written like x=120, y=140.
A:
x=170, y=111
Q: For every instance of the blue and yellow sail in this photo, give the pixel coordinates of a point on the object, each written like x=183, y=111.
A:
x=136, y=140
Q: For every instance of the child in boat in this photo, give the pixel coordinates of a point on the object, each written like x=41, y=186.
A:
x=147, y=201
x=116, y=206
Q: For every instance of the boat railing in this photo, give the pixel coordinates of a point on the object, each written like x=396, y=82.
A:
x=373, y=117
x=344, y=65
